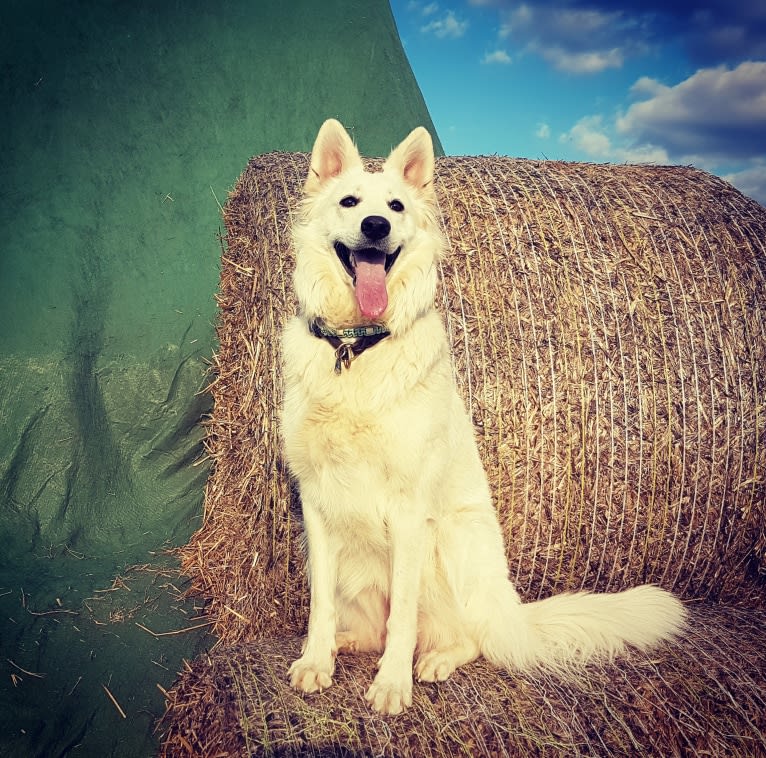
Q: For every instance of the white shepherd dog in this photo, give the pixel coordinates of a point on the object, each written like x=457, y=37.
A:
x=405, y=551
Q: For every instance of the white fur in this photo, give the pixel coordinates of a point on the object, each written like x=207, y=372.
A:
x=405, y=552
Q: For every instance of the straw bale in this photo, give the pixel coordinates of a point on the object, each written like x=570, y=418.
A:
x=608, y=326
x=608, y=330
x=705, y=698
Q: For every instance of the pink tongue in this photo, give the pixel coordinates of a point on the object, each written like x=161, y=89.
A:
x=371, y=292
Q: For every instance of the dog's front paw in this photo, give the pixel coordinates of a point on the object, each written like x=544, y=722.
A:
x=390, y=697
x=309, y=675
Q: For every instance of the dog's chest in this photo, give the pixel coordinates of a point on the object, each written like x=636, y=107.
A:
x=373, y=435
x=337, y=437
x=342, y=459
x=349, y=446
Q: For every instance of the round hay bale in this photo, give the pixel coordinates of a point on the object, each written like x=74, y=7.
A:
x=608, y=326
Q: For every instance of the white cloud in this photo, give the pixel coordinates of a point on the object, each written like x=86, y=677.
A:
x=708, y=32
x=416, y=6
x=498, y=56
x=646, y=86
x=574, y=40
x=715, y=118
x=711, y=31
x=732, y=30
x=588, y=135
x=716, y=114
x=751, y=181
x=543, y=131
x=520, y=19
x=448, y=26
x=587, y=62
x=591, y=136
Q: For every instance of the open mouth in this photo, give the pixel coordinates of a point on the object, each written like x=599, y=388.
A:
x=368, y=269
x=349, y=258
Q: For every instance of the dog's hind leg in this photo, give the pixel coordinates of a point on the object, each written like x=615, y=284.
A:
x=362, y=623
x=437, y=665
x=346, y=642
x=444, y=634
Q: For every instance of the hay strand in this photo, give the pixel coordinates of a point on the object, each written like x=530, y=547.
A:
x=114, y=702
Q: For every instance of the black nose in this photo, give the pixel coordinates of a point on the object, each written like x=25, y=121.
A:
x=375, y=228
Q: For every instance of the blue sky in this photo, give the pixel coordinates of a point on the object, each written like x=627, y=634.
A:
x=593, y=80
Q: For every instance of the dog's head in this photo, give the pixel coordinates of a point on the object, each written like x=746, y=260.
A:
x=366, y=243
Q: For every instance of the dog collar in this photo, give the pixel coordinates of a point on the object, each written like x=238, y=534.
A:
x=348, y=341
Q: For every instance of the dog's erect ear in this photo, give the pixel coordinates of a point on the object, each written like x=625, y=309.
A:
x=414, y=159
x=332, y=154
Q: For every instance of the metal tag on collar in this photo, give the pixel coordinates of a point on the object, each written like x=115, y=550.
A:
x=343, y=357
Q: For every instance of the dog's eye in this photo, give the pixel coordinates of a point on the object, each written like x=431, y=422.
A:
x=397, y=206
x=349, y=201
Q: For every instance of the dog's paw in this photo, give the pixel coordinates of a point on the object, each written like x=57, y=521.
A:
x=390, y=697
x=435, y=666
x=311, y=675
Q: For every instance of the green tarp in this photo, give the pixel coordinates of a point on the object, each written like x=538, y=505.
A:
x=125, y=124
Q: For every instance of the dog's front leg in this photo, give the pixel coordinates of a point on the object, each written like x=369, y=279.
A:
x=391, y=690
x=313, y=671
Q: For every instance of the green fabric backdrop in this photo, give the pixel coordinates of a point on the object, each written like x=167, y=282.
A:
x=125, y=124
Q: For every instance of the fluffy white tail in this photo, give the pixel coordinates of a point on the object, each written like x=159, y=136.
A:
x=564, y=632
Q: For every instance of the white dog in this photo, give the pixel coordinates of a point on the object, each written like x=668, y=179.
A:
x=405, y=552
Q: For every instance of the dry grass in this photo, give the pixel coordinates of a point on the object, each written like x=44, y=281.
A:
x=608, y=326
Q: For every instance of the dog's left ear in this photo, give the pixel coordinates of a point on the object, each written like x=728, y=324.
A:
x=414, y=159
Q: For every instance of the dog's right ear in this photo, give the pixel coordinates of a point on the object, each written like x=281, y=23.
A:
x=332, y=154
